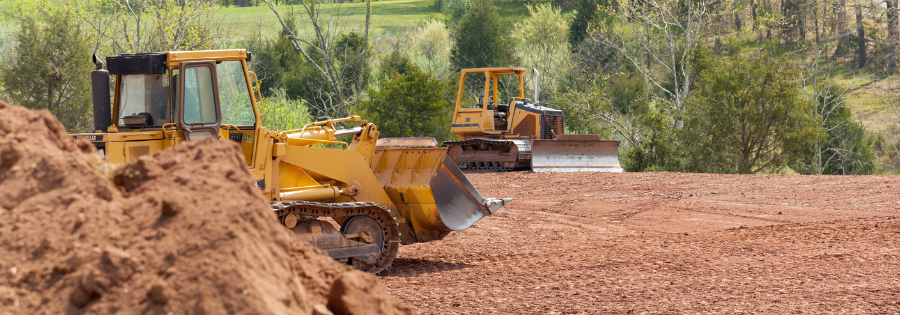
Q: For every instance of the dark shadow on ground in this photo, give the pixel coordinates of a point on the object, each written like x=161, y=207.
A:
x=405, y=267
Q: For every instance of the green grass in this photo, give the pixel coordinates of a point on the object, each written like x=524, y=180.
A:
x=394, y=17
x=388, y=17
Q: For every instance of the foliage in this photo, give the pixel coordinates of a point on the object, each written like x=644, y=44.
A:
x=114, y=27
x=658, y=149
x=455, y=8
x=545, y=27
x=410, y=104
x=284, y=113
x=589, y=14
x=481, y=40
x=352, y=60
x=581, y=110
x=541, y=43
x=660, y=41
x=395, y=64
x=627, y=93
x=431, y=48
x=278, y=61
x=334, y=56
x=842, y=148
x=746, y=116
x=51, y=70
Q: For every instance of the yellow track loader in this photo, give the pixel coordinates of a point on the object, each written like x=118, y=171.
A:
x=380, y=192
x=522, y=133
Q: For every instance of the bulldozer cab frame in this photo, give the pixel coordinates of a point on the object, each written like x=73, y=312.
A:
x=491, y=116
x=494, y=117
x=162, y=99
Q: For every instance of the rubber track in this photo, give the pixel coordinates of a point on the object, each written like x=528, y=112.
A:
x=472, y=142
x=380, y=214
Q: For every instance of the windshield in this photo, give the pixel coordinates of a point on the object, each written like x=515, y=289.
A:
x=234, y=95
x=144, y=93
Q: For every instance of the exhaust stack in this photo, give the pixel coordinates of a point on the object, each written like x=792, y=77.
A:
x=536, y=87
x=100, y=95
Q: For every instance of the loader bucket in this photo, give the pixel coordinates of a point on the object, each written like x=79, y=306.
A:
x=429, y=189
x=575, y=153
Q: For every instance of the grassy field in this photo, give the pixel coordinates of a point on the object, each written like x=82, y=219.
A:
x=394, y=17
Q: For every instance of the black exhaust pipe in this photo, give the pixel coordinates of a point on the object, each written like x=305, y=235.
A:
x=100, y=93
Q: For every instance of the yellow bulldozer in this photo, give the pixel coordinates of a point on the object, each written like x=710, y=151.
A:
x=381, y=193
x=522, y=133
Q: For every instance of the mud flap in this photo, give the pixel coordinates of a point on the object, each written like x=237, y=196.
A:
x=575, y=153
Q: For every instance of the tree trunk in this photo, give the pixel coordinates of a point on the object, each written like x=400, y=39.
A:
x=753, y=14
x=816, y=21
x=842, y=31
x=788, y=35
x=801, y=19
x=860, y=38
x=362, y=62
x=892, y=35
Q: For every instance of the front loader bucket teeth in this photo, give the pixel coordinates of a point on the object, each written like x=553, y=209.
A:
x=575, y=153
x=430, y=190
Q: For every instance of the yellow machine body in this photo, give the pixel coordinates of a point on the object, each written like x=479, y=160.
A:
x=413, y=194
x=519, y=133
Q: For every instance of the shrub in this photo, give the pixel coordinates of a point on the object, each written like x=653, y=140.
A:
x=410, y=104
x=481, y=40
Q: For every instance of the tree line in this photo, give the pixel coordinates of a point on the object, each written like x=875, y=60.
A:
x=741, y=86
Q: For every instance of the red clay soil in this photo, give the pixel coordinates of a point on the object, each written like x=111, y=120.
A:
x=665, y=243
x=183, y=231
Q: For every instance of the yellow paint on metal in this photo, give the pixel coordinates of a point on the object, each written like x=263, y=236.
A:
x=291, y=165
x=174, y=58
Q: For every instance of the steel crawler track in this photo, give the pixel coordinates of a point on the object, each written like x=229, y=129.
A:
x=522, y=158
x=308, y=210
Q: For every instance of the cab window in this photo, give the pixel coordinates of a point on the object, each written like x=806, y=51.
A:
x=144, y=93
x=199, y=98
x=234, y=95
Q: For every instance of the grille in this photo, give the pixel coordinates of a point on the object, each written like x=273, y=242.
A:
x=553, y=121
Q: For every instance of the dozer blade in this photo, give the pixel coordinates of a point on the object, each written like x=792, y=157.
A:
x=425, y=183
x=575, y=153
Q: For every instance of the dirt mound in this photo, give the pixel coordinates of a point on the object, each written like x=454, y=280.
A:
x=185, y=231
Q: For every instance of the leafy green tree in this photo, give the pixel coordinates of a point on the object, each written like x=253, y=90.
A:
x=746, y=116
x=396, y=63
x=431, y=48
x=541, y=43
x=284, y=113
x=278, y=61
x=590, y=15
x=455, y=8
x=349, y=52
x=843, y=148
x=481, y=40
x=280, y=65
x=410, y=104
x=51, y=70
x=658, y=147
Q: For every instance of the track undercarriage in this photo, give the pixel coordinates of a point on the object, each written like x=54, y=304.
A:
x=490, y=154
x=368, y=239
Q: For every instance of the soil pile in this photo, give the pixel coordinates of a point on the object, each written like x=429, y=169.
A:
x=183, y=231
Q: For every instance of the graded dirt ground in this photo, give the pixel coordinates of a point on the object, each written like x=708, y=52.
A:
x=665, y=243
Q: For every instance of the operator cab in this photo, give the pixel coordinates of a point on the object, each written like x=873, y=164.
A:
x=198, y=94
